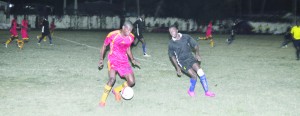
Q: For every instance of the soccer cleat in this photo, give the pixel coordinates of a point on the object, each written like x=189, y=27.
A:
x=191, y=93
x=51, y=44
x=117, y=95
x=37, y=37
x=209, y=94
x=146, y=55
x=285, y=46
x=39, y=44
x=102, y=104
x=6, y=45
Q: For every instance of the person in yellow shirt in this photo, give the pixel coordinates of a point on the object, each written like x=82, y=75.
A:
x=296, y=38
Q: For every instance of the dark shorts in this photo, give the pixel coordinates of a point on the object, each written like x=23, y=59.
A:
x=296, y=43
x=187, y=64
x=140, y=36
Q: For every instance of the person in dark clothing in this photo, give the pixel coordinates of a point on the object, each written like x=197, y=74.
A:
x=45, y=31
x=139, y=27
x=180, y=51
x=232, y=33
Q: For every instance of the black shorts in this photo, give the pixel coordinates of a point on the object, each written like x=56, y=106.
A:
x=296, y=43
x=187, y=64
x=140, y=36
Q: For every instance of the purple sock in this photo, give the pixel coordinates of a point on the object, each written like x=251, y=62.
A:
x=193, y=83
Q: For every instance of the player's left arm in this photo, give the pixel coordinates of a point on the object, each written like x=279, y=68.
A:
x=195, y=46
x=197, y=53
x=129, y=53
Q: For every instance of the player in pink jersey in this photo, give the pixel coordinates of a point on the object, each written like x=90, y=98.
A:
x=52, y=26
x=14, y=34
x=24, y=29
x=209, y=34
x=118, y=62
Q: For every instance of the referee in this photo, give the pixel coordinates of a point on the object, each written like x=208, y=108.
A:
x=296, y=38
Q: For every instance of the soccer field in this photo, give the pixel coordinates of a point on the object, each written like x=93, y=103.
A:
x=252, y=76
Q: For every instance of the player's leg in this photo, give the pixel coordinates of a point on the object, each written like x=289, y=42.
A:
x=41, y=38
x=8, y=41
x=130, y=81
x=193, y=81
x=211, y=41
x=186, y=66
x=52, y=32
x=124, y=70
x=50, y=39
x=144, y=47
x=297, y=47
x=230, y=40
x=203, y=80
x=12, y=37
x=20, y=43
x=38, y=37
x=45, y=38
x=108, y=86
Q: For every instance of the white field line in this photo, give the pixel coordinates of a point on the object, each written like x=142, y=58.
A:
x=68, y=40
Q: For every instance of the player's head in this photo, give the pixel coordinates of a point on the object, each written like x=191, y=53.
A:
x=127, y=28
x=45, y=17
x=173, y=31
x=143, y=16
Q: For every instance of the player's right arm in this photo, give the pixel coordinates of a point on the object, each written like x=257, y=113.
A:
x=102, y=52
x=107, y=41
x=174, y=60
x=178, y=70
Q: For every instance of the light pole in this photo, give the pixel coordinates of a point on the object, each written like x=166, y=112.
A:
x=295, y=11
x=138, y=7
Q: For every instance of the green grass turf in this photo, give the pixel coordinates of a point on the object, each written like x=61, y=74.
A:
x=253, y=76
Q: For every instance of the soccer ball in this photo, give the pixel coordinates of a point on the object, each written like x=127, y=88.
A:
x=127, y=93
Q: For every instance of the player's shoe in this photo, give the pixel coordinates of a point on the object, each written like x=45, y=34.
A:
x=37, y=37
x=146, y=55
x=117, y=95
x=39, y=44
x=102, y=104
x=191, y=93
x=285, y=46
x=209, y=94
x=5, y=45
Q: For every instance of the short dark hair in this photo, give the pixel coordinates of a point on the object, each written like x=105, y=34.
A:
x=173, y=26
x=128, y=23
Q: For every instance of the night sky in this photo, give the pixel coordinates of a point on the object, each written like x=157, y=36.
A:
x=182, y=8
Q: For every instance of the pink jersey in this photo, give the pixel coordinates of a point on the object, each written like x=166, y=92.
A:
x=117, y=57
x=13, y=30
x=24, y=29
x=52, y=26
x=209, y=29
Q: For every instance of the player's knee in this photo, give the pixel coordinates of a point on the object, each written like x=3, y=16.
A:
x=200, y=72
x=131, y=83
x=112, y=80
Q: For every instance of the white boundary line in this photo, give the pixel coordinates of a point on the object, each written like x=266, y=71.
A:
x=99, y=49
